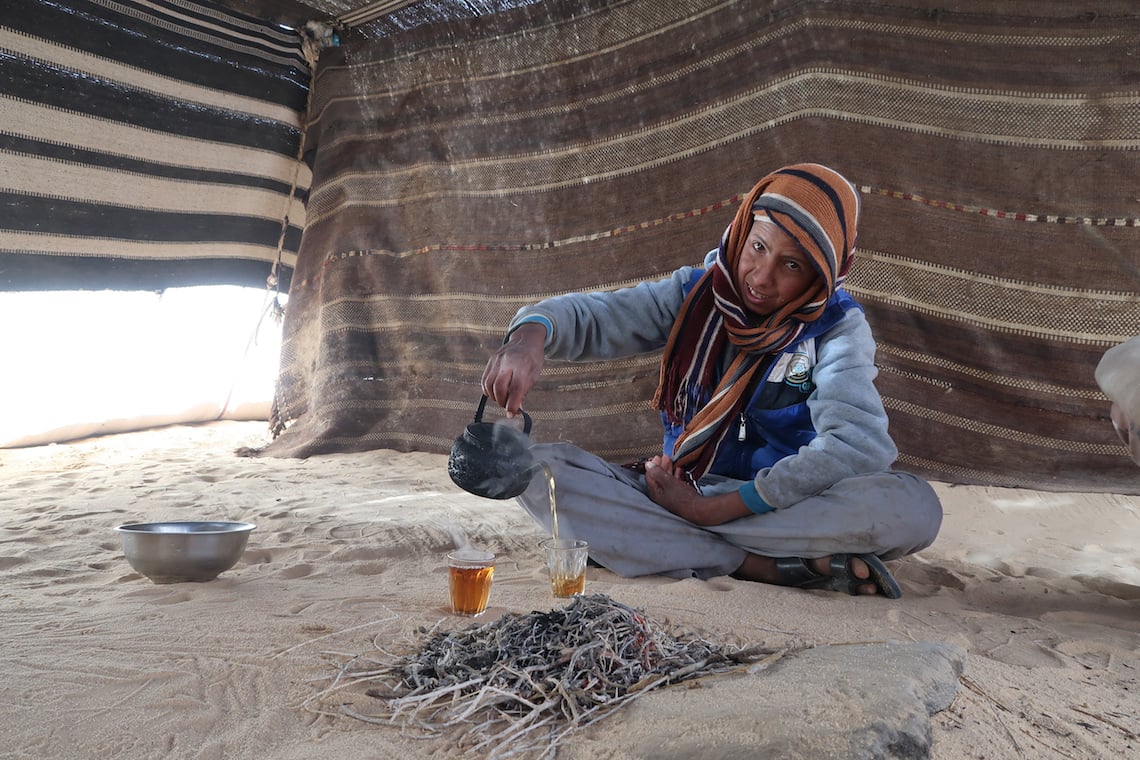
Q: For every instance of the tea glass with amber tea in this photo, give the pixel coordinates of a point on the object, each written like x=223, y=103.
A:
x=469, y=573
x=566, y=560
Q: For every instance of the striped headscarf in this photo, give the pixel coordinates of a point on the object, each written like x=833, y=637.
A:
x=817, y=208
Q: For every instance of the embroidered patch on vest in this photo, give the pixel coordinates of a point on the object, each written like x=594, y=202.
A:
x=798, y=372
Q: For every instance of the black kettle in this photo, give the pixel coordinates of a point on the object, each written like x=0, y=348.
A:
x=492, y=460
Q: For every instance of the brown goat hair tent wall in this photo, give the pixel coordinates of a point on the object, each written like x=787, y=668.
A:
x=460, y=172
x=147, y=144
x=461, y=168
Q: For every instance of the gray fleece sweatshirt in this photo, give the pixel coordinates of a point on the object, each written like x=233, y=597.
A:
x=846, y=409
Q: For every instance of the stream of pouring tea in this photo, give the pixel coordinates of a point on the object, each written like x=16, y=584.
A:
x=553, y=508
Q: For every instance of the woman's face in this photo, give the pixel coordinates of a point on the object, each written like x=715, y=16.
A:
x=772, y=271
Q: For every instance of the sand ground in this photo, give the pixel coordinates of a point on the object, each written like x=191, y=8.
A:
x=1041, y=589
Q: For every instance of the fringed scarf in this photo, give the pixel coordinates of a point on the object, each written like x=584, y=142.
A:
x=819, y=209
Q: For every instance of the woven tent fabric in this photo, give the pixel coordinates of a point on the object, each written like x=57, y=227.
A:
x=461, y=171
x=148, y=143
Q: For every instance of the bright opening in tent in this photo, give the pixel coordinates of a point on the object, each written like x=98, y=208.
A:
x=81, y=363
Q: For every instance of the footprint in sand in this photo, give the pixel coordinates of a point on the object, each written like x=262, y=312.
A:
x=293, y=572
x=352, y=530
x=1014, y=652
x=721, y=584
x=158, y=595
x=1109, y=587
x=257, y=556
x=277, y=514
x=930, y=578
x=50, y=572
x=370, y=554
x=1091, y=655
x=178, y=597
x=371, y=568
x=6, y=563
x=299, y=608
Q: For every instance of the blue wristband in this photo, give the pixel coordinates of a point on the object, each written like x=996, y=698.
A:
x=752, y=499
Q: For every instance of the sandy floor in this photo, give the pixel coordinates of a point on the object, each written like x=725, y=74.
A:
x=1041, y=589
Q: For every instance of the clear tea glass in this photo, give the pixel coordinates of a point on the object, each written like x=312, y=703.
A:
x=566, y=561
x=469, y=573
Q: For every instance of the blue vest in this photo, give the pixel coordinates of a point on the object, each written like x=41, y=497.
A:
x=776, y=421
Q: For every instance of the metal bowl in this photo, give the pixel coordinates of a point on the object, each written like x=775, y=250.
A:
x=180, y=552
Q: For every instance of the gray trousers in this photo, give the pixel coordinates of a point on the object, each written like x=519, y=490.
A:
x=890, y=514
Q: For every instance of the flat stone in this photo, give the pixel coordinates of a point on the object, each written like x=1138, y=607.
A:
x=838, y=702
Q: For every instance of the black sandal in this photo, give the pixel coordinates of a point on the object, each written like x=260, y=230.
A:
x=795, y=571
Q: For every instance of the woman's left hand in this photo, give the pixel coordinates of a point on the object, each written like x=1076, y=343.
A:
x=669, y=486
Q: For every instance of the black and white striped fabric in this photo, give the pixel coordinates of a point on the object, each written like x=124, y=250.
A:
x=146, y=144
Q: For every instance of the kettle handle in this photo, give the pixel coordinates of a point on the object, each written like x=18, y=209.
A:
x=483, y=404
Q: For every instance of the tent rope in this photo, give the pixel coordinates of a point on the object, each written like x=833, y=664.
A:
x=315, y=36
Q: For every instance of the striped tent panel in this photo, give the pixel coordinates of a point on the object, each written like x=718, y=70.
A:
x=148, y=143
x=577, y=146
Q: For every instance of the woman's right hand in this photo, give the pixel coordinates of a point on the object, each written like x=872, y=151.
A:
x=515, y=366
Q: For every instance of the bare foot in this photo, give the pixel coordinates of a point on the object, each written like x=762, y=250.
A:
x=858, y=568
x=669, y=489
x=764, y=570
